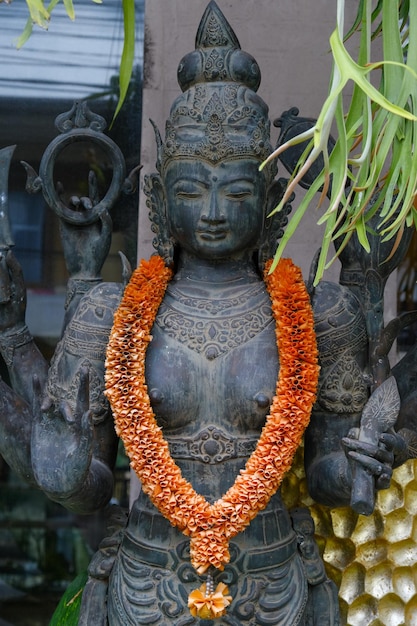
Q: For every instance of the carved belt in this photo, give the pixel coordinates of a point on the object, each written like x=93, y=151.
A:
x=249, y=561
x=211, y=445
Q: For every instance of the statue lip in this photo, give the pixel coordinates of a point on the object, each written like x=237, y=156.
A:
x=213, y=234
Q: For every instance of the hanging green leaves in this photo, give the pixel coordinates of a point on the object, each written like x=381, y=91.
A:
x=376, y=149
x=40, y=15
x=128, y=54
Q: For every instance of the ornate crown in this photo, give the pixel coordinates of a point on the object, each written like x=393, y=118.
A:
x=219, y=114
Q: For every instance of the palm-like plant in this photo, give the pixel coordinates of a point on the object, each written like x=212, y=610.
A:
x=376, y=138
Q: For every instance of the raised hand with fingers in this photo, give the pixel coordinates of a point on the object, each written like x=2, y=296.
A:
x=63, y=459
x=86, y=247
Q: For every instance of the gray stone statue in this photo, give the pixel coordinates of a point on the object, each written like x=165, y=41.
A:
x=211, y=372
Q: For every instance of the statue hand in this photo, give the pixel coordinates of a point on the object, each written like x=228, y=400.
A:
x=396, y=445
x=12, y=311
x=86, y=247
x=62, y=442
x=378, y=459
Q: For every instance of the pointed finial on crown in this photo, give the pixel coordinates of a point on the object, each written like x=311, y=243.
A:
x=219, y=114
x=217, y=55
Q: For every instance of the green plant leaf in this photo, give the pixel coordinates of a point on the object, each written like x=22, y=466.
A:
x=352, y=71
x=41, y=15
x=376, y=140
x=68, y=609
x=128, y=54
x=52, y=5
x=27, y=31
x=69, y=7
x=38, y=13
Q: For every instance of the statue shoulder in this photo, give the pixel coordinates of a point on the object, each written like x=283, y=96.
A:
x=99, y=304
x=84, y=344
x=338, y=317
x=88, y=331
x=342, y=342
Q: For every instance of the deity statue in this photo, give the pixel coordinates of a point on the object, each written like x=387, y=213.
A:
x=208, y=372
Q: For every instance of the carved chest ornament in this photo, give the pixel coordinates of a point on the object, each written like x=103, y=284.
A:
x=211, y=445
x=211, y=526
x=207, y=326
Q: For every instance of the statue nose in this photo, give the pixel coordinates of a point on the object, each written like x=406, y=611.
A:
x=214, y=213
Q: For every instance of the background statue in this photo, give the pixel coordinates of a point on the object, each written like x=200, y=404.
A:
x=211, y=374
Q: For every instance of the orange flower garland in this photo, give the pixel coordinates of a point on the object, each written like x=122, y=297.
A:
x=211, y=526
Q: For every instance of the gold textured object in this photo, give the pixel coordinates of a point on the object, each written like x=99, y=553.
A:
x=373, y=559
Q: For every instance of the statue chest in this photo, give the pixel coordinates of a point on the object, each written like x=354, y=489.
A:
x=213, y=366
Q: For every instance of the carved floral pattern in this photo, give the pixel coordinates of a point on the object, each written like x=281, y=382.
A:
x=344, y=389
x=210, y=333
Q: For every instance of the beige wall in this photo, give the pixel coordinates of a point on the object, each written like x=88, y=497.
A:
x=290, y=41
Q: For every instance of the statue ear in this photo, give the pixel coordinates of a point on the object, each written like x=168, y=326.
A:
x=156, y=203
x=274, y=225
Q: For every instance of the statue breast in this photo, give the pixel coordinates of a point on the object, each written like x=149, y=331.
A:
x=213, y=363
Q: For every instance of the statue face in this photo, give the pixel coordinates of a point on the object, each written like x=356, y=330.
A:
x=215, y=211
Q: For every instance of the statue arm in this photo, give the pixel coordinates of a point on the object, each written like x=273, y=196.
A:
x=334, y=456
x=72, y=456
x=59, y=451
x=74, y=444
x=328, y=473
x=351, y=446
x=17, y=347
x=15, y=433
x=85, y=249
x=351, y=455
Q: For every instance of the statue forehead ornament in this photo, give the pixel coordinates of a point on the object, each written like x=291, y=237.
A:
x=219, y=114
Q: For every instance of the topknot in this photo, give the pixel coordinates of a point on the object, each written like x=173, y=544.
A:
x=218, y=56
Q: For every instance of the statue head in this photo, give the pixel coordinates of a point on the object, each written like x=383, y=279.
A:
x=216, y=136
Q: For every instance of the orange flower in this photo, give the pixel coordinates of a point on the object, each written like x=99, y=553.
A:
x=211, y=526
x=209, y=605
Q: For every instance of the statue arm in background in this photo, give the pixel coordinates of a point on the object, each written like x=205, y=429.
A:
x=358, y=430
x=17, y=347
x=57, y=430
x=342, y=467
x=56, y=415
x=72, y=457
x=73, y=424
x=356, y=435
x=22, y=358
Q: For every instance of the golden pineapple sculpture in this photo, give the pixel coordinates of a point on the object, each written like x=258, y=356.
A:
x=372, y=559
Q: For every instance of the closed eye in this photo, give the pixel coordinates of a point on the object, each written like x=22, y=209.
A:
x=188, y=195
x=188, y=190
x=238, y=195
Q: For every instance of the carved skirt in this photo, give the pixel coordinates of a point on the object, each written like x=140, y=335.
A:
x=152, y=576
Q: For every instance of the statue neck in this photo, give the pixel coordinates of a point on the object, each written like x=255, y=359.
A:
x=216, y=272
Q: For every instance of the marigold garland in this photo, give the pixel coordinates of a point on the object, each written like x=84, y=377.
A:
x=211, y=527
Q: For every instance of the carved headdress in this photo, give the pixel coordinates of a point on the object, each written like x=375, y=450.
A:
x=218, y=115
